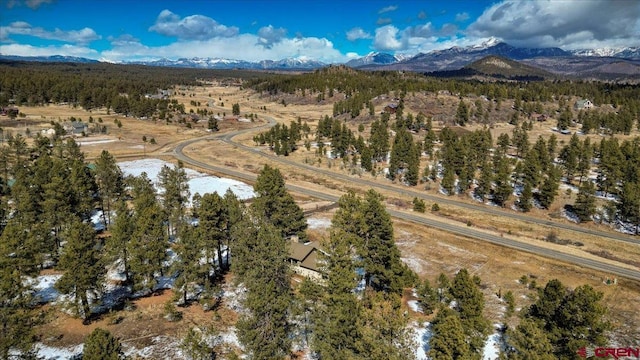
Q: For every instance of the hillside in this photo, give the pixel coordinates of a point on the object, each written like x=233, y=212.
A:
x=496, y=67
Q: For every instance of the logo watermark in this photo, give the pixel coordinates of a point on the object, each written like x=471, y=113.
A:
x=614, y=352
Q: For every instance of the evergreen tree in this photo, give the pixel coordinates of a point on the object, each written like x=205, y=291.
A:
x=338, y=332
x=189, y=269
x=462, y=113
x=101, y=345
x=82, y=265
x=110, y=183
x=571, y=319
x=381, y=258
x=175, y=195
x=524, y=202
x=629, y=205
x=502, y=179
x=277, y=205
x=484, y=182
x=549, y=187
x=17, y=315
x=261, y=264
x=147, y=246
x=585, y=205
x=117, y=244
x=528, y=341
x=448, y=180
x=470, y=305
x=448, y=341
x=427, y=297
x=212, y=228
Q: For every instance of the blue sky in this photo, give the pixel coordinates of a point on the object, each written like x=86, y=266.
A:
x=325, y=30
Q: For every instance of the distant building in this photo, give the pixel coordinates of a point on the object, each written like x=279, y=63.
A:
x=76, y=128
x=538, y=117
x=10, y=111
x=391, y=108
x=583, y=105
x=303, y=258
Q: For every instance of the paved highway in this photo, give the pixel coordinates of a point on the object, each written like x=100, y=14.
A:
x=455, y=229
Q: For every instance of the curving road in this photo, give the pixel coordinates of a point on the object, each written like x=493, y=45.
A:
x=455, y=229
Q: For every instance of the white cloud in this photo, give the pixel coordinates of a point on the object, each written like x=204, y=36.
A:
x=383, y=21
x=357, y=33
x=268, y=35
x=194, y=27
x=66, y=49
x=565, y=24
x=460, y=17
x=243, y=46
x=388, y=9
x=33, y=4
x=386, y=39
x=82, y=36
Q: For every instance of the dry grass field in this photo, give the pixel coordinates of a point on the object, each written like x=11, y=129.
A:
x=428, y=251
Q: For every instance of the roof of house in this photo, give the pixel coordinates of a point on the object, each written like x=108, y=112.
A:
x=305, y=254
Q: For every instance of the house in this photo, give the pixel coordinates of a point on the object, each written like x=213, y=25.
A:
x=303, y=258
x=538, y=117
x=10, y=111
x=76, y=128
x=583, y=105
x=391, y=108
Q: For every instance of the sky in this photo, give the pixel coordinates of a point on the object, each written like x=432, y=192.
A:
x=324, y=30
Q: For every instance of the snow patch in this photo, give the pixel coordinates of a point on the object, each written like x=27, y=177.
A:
x=198, y=182
x=421, y=336
x=44, y=286
x=318, y=223
x=414, y=306
x=52, y=353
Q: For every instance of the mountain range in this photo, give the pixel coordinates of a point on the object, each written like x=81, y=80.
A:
x=606, y=63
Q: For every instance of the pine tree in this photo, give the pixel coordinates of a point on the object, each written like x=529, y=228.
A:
x=110, y=183
x=175, y=195
x=17, y=313
x=381, y=258
x=212, y=228
x=189, y=269
x=82, y=265
x=338, y=333
x=117, y=244
x=524, y=202
x=261, y=264
x=571, y=319
x=427, y=297
x=470, y=305
x=449, y=340
x=503, y=188
x=448, y=180
x=549, y=187
x=484, y=182
x=629, y=205
x=585, y=205
x=147, y=246
x=277, y=205
x=101, y=345
x=462, y=113
x=528, y=341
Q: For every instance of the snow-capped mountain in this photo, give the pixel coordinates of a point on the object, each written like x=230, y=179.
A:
x=221, y=63
x=624, y=52
x=375, y=58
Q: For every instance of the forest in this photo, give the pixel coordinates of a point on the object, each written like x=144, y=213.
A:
x=49, y=193
x=53, y=192
x=492, y=169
